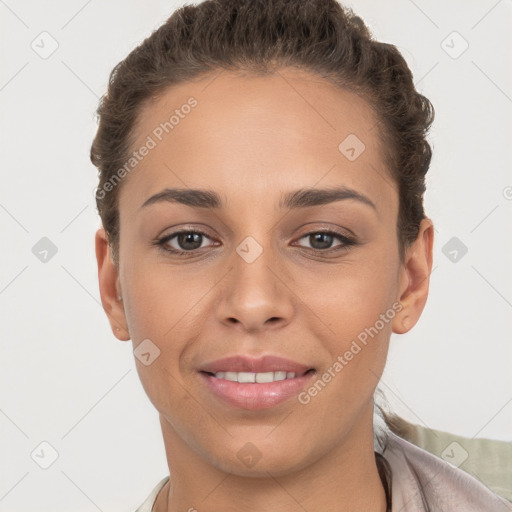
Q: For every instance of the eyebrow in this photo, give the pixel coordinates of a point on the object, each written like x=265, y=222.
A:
x=302, y=198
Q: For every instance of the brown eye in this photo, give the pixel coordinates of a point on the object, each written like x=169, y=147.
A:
x=189, y=241
x=183, y=242
x=323, y=240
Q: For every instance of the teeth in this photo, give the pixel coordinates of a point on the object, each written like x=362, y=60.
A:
x=249, y=377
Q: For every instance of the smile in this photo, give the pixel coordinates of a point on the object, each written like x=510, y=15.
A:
x=255, y=391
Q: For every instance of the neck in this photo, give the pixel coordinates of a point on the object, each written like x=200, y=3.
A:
x=346, y=478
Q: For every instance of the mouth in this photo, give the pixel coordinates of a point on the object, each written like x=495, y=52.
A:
x=254, y=391
x=251, y=383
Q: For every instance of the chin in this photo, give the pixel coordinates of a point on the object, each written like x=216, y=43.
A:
x=256, y=461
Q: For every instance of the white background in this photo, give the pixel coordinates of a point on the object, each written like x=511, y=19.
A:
x=66, y=380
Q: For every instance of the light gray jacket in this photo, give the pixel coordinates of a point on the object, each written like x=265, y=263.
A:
x=422, y=482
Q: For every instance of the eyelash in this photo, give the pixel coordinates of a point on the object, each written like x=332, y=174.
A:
x=346, y=241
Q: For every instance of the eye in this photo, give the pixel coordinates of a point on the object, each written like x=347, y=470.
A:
x=322, y=240
x=183, y=242
x=186, y=242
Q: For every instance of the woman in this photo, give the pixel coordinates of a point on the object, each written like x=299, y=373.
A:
x=262, y=170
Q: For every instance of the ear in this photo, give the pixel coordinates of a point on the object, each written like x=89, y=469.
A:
x=415, y=278
x=110, y=290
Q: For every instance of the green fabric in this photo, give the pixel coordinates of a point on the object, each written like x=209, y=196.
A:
x=488, y=460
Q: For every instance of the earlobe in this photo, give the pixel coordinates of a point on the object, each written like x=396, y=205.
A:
x=402, y=324
x=415, y=278
x=108, y=278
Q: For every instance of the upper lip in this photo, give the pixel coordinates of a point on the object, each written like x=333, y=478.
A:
x=268, y=363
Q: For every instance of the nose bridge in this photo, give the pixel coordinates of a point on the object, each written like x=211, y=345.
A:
x=253, y=293
x=252, y=276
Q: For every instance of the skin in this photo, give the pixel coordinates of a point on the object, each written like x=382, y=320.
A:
x=252, y=139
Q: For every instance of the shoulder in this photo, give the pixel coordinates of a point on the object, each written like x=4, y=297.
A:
x=423, y=482
x=147, y=506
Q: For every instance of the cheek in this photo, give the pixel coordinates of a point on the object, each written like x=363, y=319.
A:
x=353, y=295
x=144, y=305
x=358, y=303
x=163, y=306
x=168, y=306
x=359, y=316
x=160, y=298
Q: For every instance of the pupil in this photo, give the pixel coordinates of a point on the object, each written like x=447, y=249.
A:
x=321, y=238
x=192, y=238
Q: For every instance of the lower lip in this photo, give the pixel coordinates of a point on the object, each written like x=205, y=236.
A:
x=254, y=396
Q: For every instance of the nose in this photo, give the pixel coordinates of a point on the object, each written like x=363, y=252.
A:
x=255, y=294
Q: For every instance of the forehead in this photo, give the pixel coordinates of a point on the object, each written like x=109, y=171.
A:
x=246, y=133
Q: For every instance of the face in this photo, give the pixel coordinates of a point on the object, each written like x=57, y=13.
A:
x=292, y=252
